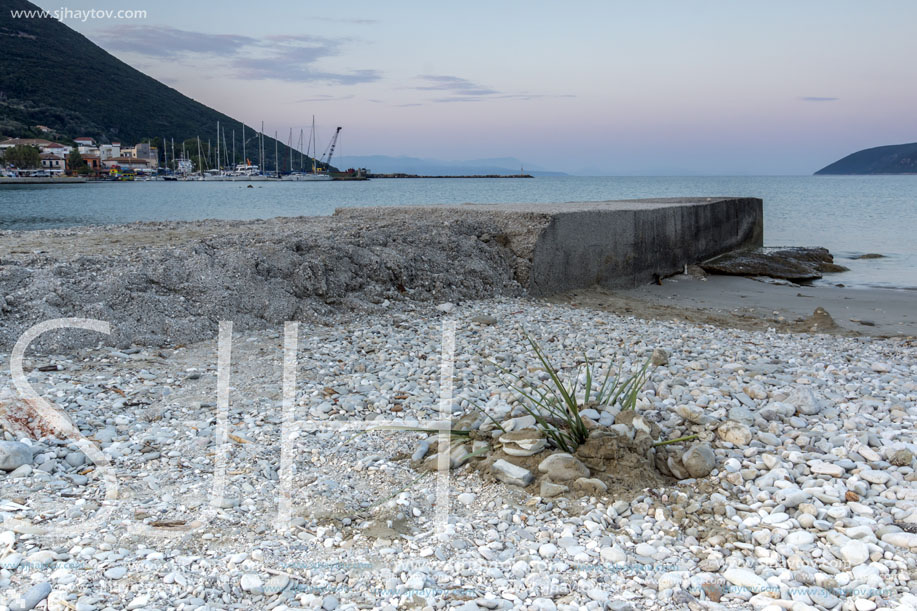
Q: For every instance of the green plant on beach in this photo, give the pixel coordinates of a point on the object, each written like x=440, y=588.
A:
x=556, y=406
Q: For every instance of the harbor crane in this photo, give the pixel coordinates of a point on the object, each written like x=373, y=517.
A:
x=330, y=150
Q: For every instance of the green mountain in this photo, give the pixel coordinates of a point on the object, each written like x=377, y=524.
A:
x=51, y=75
x=891, y=159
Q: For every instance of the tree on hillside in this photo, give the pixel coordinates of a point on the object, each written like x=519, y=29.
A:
x=23, y=156
x=76, y=163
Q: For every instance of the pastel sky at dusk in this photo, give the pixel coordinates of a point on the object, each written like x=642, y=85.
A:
x=655, y=87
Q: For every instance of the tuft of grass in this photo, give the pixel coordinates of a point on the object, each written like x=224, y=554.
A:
x=555, y=404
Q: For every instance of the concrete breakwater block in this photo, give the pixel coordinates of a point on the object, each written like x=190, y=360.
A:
x=615, y=244
x=171, y=282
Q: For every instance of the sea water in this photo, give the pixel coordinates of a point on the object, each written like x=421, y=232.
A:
x=849, y=215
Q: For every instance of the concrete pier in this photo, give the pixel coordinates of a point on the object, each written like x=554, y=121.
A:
x=168, y=283
x=614, y=244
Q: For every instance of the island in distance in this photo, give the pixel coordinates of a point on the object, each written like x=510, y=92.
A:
x=891, y=159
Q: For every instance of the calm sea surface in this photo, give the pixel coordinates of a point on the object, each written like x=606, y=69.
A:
x=848, y=215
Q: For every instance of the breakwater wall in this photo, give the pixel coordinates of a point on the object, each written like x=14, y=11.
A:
x=169, y=283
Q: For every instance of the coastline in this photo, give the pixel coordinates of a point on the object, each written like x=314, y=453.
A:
x=749, y=304
x=170, y=282
x=820, y=476
x=808, y=435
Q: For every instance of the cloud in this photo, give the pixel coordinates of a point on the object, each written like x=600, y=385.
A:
x=457, y=89
x=357, y=21
x=818, y=99
x=168, y=42
x=324, y=97
x=284, y=57
x=454, y=85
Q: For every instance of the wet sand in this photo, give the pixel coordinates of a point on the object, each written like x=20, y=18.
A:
x=744, y=303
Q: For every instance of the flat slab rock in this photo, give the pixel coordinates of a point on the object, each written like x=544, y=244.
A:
x=796, y=264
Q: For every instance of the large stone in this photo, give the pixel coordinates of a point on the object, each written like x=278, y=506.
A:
x=901, y=458
x=699, y=460
x=745, y=578
x=14, y=454
x=590, y=485
x=32, y=597
x=525, y=442
x=562, y=467
x=855, y=552
x=549, y=489
x=901, y=539
x=797, y=264
x=735, y=433
x=822, y=467
x=511, y=474
x=805, y=401
x=874, y=476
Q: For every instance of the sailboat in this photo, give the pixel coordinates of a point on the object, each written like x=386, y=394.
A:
x=217, y=174
x=314, y=175
x=246, y=172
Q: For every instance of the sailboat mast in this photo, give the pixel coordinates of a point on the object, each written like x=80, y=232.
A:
x=276, y=156
x=243, y=145
x=200, y=164
x=314, y=152
x=261, y=147
x=218, y=145
x=233, y=149
x=290, y=146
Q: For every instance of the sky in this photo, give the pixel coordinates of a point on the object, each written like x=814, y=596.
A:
x=676, y=87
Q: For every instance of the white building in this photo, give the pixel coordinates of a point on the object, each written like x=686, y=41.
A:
x=87, y=146
x=109, y=151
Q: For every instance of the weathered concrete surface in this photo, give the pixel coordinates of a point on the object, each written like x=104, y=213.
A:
x=167, y=283
x=615, y=244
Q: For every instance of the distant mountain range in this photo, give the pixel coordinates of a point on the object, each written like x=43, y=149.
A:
x=891, y=159
x=54, y=77
x=382, y=164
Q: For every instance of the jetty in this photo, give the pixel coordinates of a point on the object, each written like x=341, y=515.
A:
x=169, y=282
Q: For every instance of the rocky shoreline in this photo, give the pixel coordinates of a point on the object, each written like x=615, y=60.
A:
x=809, y=503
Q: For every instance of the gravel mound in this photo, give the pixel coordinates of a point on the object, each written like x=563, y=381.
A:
x=168, y=283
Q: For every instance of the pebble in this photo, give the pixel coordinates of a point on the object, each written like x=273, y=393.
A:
x=901, y=458
x=549, y=489
x=855, y=552
x=805, y=401
x=547, y=550
x=115, y=572
x=523, y=442
x=820, y=496
x=745, y=578
x=32, y=597
x=699, y=460
x=875, y=477
x=251, y=582
x=14, y=454
x=563, y=467
x=511, y=474
x=735, y=433
x=904, y=540
x=822, y=467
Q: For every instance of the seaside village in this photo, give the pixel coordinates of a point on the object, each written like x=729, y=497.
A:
x=98, y=160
